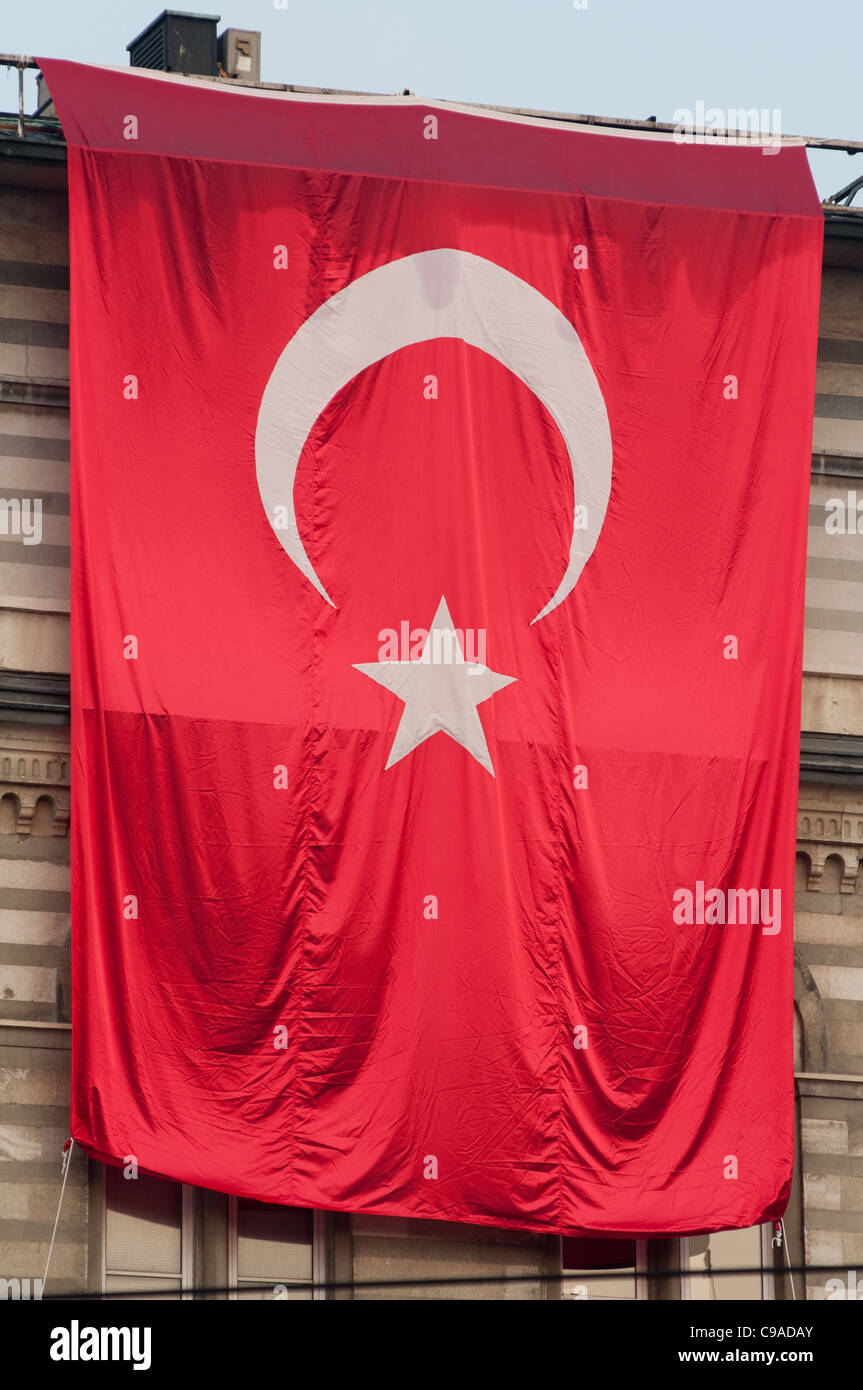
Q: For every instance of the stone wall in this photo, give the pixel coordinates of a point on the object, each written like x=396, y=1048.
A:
x=829, y=990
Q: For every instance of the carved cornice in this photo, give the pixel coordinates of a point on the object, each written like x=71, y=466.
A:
x=34, y=697
x=834, y=758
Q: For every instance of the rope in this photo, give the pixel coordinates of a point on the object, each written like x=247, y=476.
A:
x=67, y=1163
x=788, y=1258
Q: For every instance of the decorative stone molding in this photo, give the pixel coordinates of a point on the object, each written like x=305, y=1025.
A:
x=830, y=825
x=818, y=854
x=34, y=767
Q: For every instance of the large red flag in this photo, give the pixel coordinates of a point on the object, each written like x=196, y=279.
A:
x=440, y=487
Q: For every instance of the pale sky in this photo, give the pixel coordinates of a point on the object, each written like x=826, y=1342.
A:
x=613, y=58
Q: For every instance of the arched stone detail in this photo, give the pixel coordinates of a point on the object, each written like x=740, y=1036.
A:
x=832, y=873
x=830, y=828
x=799, y=1040
x=847, y=856
x=817, y=855
x=41, y=758
x=44, y=814
x=808, y=1001
x=10, y=805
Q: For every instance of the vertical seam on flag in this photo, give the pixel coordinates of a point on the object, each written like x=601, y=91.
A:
x=309, y=760
x=86, y=1112
x=310, y=754
x=560, y=876
x=76, y=714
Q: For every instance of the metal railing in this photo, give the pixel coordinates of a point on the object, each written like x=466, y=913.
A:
x=815, y=142
x=22, y=63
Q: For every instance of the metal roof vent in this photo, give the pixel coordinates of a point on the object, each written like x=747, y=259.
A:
x=178, y=42
x=240, y=54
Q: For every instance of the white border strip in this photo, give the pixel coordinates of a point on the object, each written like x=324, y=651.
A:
x=228, y=87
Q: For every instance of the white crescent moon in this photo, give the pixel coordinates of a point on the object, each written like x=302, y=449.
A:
x=435, y=294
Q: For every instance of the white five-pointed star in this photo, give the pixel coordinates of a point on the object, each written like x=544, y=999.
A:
x=440, y=696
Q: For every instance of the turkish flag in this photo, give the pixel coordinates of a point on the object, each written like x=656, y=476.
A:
x=440, y=487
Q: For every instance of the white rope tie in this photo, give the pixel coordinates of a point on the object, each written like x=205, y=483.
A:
x=67, y=1163
x=787, y=1258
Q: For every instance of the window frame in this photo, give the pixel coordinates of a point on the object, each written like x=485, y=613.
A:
x=641, y=1281
x=319, y=1255
x=187, y=1247
x=764, y=1270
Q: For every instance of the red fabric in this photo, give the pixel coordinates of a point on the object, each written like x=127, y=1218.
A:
x=409, y=1036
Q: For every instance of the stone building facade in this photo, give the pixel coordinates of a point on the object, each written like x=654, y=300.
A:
x=137, y=1236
